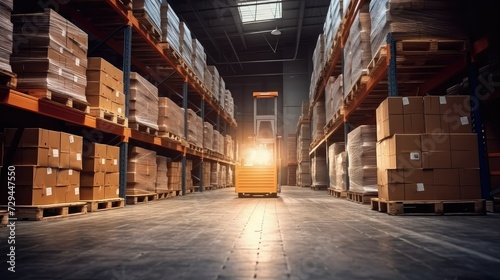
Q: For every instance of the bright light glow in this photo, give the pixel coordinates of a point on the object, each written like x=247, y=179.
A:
x=259, y=10
x=258, y=156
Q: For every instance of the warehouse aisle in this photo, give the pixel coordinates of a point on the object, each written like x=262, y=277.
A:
x=303, y=234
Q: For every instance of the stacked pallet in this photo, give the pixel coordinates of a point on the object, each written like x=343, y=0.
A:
x=105, y=89
x=189, y=177
x=143, y=114
x=337, y=166
x=186, y=45
x=426, y=150
x=47, y=166
x=214, y=84
x=174, y=174
x=170, y=118
x=6, y=28
x=291, y=177
x=318, y=120
x=223, y=176
x=229, y=177
x=222, y=92
x=141, y=172
x=319, y=172
x=357, y=49
x=361, y=149
x=303, y=160
x=215, y=175
x=410, y=20
x=170, y=27
x=318, y=60
x=291, y=148
x=229, y=147
x=199, y=60
x=161, y=174
x=218, y=143
x=206, y=174
x=229, y=104
x=208, y=79
x=208, y=136
x=148, y=12
x=331, y=26
x=333, y=97
x=51, y=62
x=195, y=129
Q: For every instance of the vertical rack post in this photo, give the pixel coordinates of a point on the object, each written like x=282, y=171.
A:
x=347, y=129
x=127, y=55
x=184, y=105
x=202, y=106
x=392, y=74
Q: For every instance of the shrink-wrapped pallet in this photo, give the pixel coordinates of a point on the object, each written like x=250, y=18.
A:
x=291, y=148
x=208, y=136
x=331, y=26
x=52, y=61
x=222, y=91
x=223, y=175
x=186, y=44
x=318, y=120
x=143, y=102
x=319, y=171
x=214, y=87
x=6, y=29
x=170, y=117
x=170, y=27
x=161, y=175
x=361, y=150
x=207, y=169
x=199, y=59
x=208, y=78
x=318, y=60
x=304, y=174
x=340, y=171
x=417, y=19
x=333, y=151
x=215, y=174
x=333, y=97
x=149, y=13
x=189, y=177
x=141, y=171
x=194, y=127
x=174, y=174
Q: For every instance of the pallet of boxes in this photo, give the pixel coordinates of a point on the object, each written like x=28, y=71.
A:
x=7, y=77
x=303, y=143
x=142, y=175
x=143, y=106
x=427, y=157
x=46, y=166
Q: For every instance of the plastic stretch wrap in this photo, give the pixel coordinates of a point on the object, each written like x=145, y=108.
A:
x=206, y=173
x=318, y=60
x=170, y=116
x=141, y=171
x=9, y=4
x=194, y=127
x=150, y=10
x=199, y=59
x=208, y=135
x=413, y=19
x=333, y=151
x=229, y=104
x=357, y=51
x=53, y=58
x=318, y=119
x=291, y=178
x=303, y=142
x=340, y=171
x=230, y=176
x=215, y=174
x=6, y=29
x=304, y=172
x=329, y=98
x=161, y=175
x=170, y=27
x=208, y=79
x=291, y=144
x=229, y=146
x=186, y=44
x=189, y=172
x=216, y=141
x=215, y=86
x=143, y=101
x=222, y=91
x=174, y=174
x=319, y=171
x=332, y=23
x=361, y=149
x=221, y=143
x=223, y=175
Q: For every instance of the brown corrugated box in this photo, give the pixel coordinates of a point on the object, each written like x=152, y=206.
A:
x=99, y=101
x=390, y=176
x=464, y=159
x=112, y=179
x=36, y=177
x=31, y=137
x=91, y=179
x=98, y=63
x=96, y=76
x=93, y=165
x=447, y=192
x=399, y=115
x=31, y=156
x=436, y=159
x=27, y=195
x=112, y=159
x=111, y=191
x=96, y=88
x=391, y=192
x=60, y=194
x=73, y=193
x=404, y=151
x=62, y=177
x=75, y=152
x=94, y=150
x=435, y=142
x=419, y=184
x=92, y=193
x=446, y=177
x=118, y=109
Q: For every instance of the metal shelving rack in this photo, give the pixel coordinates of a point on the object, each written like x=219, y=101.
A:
x=106, y=19
x=386, y=78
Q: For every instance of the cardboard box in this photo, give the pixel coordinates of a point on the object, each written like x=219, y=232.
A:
x=447, y=192
x=31, y=156
x=470, y=192
x=91, y=193
x=469, y=177
x=73, y=177
x=65, y=142
x=94, y=150
x=100, y=102
x=391, y=192
x=433, y=124
x=431, y=105
x=436, y=159
x=404, y=151
x=391, y=176
x=446, y=177
x=88, y=179
x=424, y=176
x=413, y=123
x=464, y=159
x=36, y=177
x=464, y=142
x=97, y=63
x=99, y=89
x=93, y=165
x=392, y=125
x=419, y=191
x=111, y=179
x=64, y=160
x=455, y=104
x=62, y=178
x=118, y=109
x=73, y=193
x=60, y=194
x=28, y=195
x=435, y=142
x=457, y=123
x=112, y=191
x=31, y=137
x=112, y=159
x=98, y=76
x=75, y=152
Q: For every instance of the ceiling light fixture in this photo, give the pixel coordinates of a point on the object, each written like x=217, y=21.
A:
x=276, y=32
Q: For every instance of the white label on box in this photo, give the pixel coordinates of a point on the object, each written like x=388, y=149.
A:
x=60, y=72
x=464, y=120
x=119, y=110
x=75, y=78
x=442, y=100
x=78, y=156
x=61, y=49
x=49, y=170
x=406, y=101
x=117, y=94
x=63, y=33
x=55, y=153
x=103, y=161
x=71, y=139
x=420, y=187
x=117, y=192
x=48, y=191
x=414, y=156
x=70, y=172
x=115, y=161
x=77, y=61
x=77, y=191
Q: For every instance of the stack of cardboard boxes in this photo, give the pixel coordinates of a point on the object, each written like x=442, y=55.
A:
x=336, y=167
x=362, y=158
x=47, y=165
x=52, y=60
x=215, y=178
x=195, y=128
x=170, y=27
x=6, y=28
x=148, y=12
x=199, y=59
x=334, y=96
x=303, y=143
x=141, y=171
x=186, y=43
x=208, y=136
x=105, y=87
x=189, y=177
x=143, y=102
x=170, y=117
x=206, y=173
x=214, y=84
x=100, y=176
x=162, y=174
x=425, y=149
x=174, y=174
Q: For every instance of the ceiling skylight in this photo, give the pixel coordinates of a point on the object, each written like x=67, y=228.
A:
x=259, y=10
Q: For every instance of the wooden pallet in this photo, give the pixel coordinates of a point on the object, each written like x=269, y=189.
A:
x=377, y=59
x=104, y=204
x=337, y=193
x=59, y=98
x=141, y=198
x=359, y=197
x=169, y=135
x=338, y=116
x=127, y=4
x=429, y=46
x=319, y=187
x=430, y=207
x=108, y=116
x=49, y=211
x=356, y=88
x=196, y=148
x=148, y=24
x=166, y=194
x=8, y=79
x=143, y=128
x=493, y=206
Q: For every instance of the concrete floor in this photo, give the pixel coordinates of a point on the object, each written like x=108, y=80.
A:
x=303, y=234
